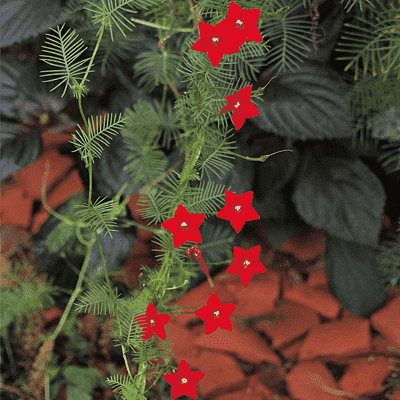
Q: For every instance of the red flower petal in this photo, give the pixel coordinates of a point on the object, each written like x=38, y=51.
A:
x=238, y=209
x=246, y=264
x=215, y=314
x=215, y=42
x=184, y=381
x=151, y=322
x=241, y=106
x=184, y=226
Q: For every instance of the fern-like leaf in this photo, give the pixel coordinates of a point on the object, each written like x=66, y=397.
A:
x=112, y=13
x=374, y=41
x=62, y=51
x=89, y=145
x=249, y=60
x=151, y=69
x=155, y=205
x=99, y=216
x=147, y=165
x=351, y=3
x=141, y=134
x=391, y=159
x=170, y=125
x=290, y=32
x=99, y=300
x=110, y=52
x=212, y=156
x=130, y=308
x=124, y=384
x=207, y=198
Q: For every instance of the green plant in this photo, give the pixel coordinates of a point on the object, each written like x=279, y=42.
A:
x=197, y=130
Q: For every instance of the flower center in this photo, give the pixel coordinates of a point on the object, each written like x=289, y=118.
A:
x=215, y=41
x=237, y=208
x=184, y=380
x=246, y=263
x=237, y=105
x=239, y=24
x=184, y=226
x=216, y=313
x=152, y=322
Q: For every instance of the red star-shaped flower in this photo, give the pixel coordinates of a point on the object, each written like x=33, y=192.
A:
x=241, y=106
x=194, y=253
x=238, y=209
x=151, y=322
x=215, y=42
x=246, y=264
x=216, y=314
x=242, y=22
x=184, y=226
x=184, y=381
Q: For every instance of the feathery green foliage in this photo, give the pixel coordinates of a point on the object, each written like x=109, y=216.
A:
x=207, y=198
x=113, y=13
x=97, y=300
x=371, y=98
x=99, y=216
x=374, y=41
x=214, y=152
x=351, y=3
x=89, y=145
x=62, y=51
x=290, y=32
x=124, y=385
x=26, y=298
x=391, y=159
x=151, y=66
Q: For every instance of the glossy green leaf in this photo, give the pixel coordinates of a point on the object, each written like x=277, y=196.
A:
x=340, y=196
x=305, y=104
x=353, y=275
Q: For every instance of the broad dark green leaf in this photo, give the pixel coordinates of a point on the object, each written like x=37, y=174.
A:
x=353, y=275
x=13, y=87
x=340, y=196
x=17, y=150
x=24, y=19
x=305, y=104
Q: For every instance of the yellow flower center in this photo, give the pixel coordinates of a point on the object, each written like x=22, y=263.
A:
x=246, y=263
x=237, y=105
x=152, y=322
x=184, y=380
x=239, y=24
x=184, y=226
x=216, y=313
x=215, y=41
x=237, y=208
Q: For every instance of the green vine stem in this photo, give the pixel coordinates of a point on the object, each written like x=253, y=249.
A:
x=117, y=316
x=167, y=28
x=77, y=290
